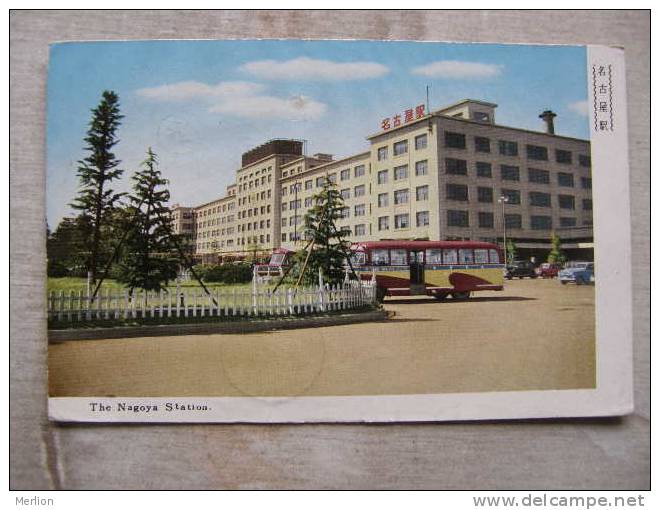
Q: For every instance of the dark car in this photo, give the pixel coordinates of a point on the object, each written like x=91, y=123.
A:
x=520, y=269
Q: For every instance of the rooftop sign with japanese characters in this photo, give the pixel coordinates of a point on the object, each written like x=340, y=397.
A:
x=397, y=120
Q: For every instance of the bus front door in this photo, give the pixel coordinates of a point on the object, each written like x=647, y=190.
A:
x=417, y=286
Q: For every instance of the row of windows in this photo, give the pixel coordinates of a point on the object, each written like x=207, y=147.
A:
x=344, y=175
x=459, y=192
x=254, y=183
x=486, y=219
x=254, y=225
x=508, y=148
x=257, y=196
x=402, y=221
x=455, y=166
x=401, y=147
x=215, y=233
x=213, y=222
x=255, y=211
x=399, y=256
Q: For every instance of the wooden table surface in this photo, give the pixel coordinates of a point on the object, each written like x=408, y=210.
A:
x=543, y=454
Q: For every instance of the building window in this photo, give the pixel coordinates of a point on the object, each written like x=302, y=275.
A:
x=566, y=201
x=308, y=202
x=541, y=222
x=486, y=220
x=565, y=157
x=383, y=200
x=401, y=221
x=509, y=173
x=484, y=169
x=537, y=152
x=382, y=176
x=345, y=174
x=382, y=153
x=512, y=196
x=359, y=210
x=586, y=182
x=481, y=144
x=567, y=222
x=332, y=178
x=508, y=148
x=345, y=193
x=421, y=168
x=454, y=140
x=360, y=229
x=485, y=194
x=538, y=176
x=320, y=181
x=359, y=171
x=458, y=218
x=422, y=193
x=587, y=204
x=308, y=184
x=284, y=223
x=564, y=179
x=359, y=191
x=584, y=160
x=421, y=142
x=345, y=212
x=401, y=147
x=284, y=206
x=384, y=223
x=538, y=199
x=457, y=192
x=401, y=196
x=284, y=237
x=455, y=166
x=422, y=218
x=513, y=221
x=400, y=172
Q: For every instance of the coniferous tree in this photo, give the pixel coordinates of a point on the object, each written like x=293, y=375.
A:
x=331, y=247
x=66, y=247
x=511, y=251
x=149, y=258
x=96, y=199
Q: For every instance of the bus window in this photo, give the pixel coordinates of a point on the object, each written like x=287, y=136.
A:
x=465, y=256
x=380, y=257
x=433, y=256
x=277, y=259
x=399, y=257
x=481, y=256
x=494, y=257
x=358, y=258
x=449, y=256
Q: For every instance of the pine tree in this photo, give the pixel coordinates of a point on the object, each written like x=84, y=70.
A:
x=65, y=247
x=149, y=257
x=556, y=255
x=96, y=200
x=330, y=247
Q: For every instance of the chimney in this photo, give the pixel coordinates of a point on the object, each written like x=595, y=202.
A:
x=548, y=117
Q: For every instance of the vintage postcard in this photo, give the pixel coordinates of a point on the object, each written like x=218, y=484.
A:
x=312, y=230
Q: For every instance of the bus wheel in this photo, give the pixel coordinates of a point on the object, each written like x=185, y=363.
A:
x=440, y=296
x=380, y=294
x=461, y=296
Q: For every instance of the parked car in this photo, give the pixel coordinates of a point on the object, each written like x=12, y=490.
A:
x=580, y=273
x=548, y=270
x=520, y=269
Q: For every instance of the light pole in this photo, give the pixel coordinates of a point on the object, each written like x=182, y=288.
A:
x=504, y=200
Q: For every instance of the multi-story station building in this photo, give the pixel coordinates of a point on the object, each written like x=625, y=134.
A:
x=452, y=174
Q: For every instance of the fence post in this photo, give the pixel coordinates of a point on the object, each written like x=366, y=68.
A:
x=69, y=312
x=289, y=298
x=234, y=303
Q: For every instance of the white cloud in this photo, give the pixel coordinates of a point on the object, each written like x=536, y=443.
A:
x=187, y=90
x=304, y=68
x=579, y=107
x=242, y=99
x=458, y=69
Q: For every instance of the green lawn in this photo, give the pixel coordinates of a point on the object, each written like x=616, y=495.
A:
x=68, y=284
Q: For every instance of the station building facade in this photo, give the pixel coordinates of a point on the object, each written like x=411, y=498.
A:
x=454, y=174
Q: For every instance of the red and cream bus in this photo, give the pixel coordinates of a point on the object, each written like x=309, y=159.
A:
x=433, y=268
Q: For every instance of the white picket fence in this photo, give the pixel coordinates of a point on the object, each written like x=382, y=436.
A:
x=194, y=303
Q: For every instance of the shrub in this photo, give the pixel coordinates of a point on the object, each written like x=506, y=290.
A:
x=225, y=273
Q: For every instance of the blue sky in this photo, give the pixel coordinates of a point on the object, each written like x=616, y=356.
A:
x=200, y=104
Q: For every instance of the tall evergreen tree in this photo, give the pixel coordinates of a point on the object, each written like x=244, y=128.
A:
x=66, y=248
x=149, y=257
x=96, y=199
x=330, y=247
x=511, y=251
